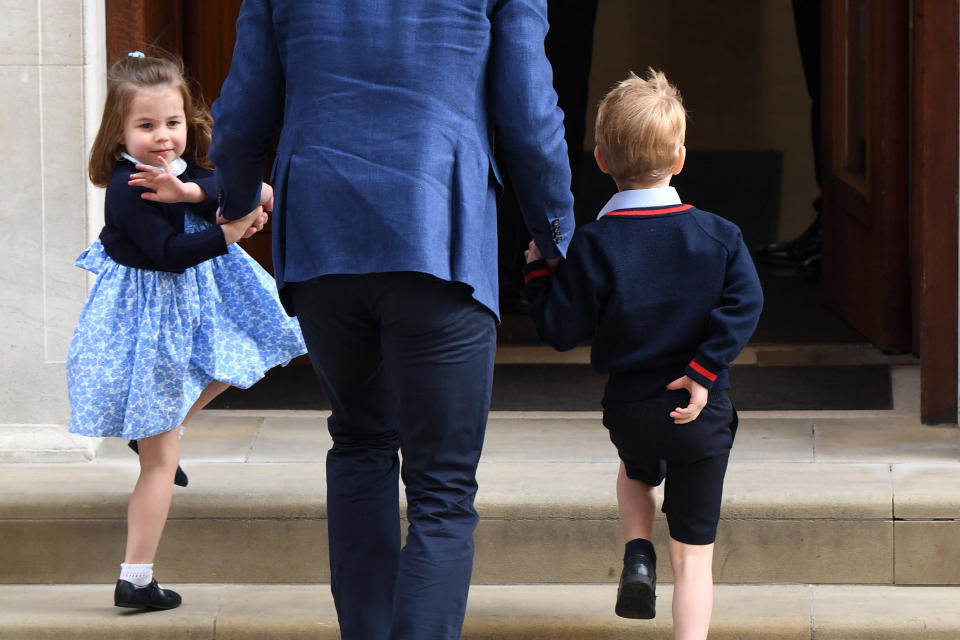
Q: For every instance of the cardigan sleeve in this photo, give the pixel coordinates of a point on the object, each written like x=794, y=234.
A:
x=148, y=226
x=207, y=181
x=733, y=321
x=565, y=305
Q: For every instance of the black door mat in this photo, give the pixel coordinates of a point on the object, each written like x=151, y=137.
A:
x=576, y=387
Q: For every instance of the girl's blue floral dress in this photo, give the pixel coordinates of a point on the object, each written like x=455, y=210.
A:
x=148, y=342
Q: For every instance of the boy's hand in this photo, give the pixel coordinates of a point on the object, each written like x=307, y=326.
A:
x=532, y=254
x=698, y=400
x=165, y=187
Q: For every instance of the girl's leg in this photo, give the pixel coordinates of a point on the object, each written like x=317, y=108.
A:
x=637, y=503
x=213, y=389
x=150, y=502
x=693, y=589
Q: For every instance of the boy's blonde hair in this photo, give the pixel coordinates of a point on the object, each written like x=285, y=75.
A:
x=127, y=76
x=640, y=128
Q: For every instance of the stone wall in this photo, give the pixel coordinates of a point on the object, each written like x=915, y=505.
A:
x=51, y=73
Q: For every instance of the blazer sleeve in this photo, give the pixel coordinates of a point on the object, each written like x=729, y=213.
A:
x=248, y=111
x=733, y=321
x=528, y=124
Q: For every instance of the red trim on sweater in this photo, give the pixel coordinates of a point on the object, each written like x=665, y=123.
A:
x=649, y=212
x=535, y=274
x=706, y=374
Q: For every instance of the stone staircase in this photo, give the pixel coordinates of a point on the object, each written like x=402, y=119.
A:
x=835, y=525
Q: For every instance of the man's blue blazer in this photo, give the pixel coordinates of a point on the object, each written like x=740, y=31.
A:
x=389, y=113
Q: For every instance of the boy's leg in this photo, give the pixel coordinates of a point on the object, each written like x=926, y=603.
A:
x=692, y=500
x=636, y=594
x=693, y=589
x=637, y=503
x=640, y=471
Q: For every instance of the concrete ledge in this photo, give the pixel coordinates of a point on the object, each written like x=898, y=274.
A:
x=926, y=491
x=540, y=522
x=527, y=612
x=43, y=443
x=927, y=552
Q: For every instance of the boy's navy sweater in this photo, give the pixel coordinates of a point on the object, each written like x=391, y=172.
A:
x=149, y=235
x=663, y=291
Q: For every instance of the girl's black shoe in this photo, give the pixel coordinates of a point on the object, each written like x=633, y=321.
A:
x=180, y=478
x=152, y=596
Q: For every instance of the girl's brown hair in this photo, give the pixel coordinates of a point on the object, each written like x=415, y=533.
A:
x=127, y=76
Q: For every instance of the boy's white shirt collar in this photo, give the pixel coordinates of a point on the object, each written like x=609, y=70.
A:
x=179, y=165
x=641, y=198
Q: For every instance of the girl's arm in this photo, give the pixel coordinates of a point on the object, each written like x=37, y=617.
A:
x=151, y=227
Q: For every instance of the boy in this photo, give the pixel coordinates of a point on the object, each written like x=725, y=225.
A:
x=670, y=296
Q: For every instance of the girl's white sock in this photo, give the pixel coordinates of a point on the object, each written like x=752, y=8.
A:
x=139, y=574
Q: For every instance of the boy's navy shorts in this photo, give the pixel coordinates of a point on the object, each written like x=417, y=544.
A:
x=692, y=457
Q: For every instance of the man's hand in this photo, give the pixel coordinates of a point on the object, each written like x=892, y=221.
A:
x=165, y=187
x=266, y=197
x=698, y=400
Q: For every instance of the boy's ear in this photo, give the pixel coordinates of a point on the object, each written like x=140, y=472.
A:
x=598, y=156
x=681, y=158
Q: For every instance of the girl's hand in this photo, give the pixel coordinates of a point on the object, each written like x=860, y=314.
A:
x=165, y=187
x=257, y=225
x=236, y=229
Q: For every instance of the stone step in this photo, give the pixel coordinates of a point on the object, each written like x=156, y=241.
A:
x=520, y=612
x=859, y=499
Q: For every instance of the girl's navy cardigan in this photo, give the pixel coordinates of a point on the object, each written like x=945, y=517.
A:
x=663, y=292
x=149, y=235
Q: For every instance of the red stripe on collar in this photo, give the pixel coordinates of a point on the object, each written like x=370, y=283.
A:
x=648, y=212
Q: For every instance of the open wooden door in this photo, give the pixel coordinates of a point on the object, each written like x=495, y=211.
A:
x=935, y=176
x=865, y=221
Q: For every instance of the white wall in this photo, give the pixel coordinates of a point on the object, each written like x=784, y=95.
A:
x=51, y=73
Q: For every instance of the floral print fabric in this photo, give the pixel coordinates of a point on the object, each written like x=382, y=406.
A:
x=148, y=342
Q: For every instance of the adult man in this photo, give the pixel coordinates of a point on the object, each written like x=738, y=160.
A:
x=385, y=249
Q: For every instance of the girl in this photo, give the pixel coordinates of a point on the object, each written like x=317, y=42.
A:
x=178, y=313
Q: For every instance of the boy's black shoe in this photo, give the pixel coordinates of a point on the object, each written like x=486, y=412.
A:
x=179, y=478
x=636, y=597
x=152, y=596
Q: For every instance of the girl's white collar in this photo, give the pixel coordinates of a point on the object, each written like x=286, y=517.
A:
x=178, y=166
